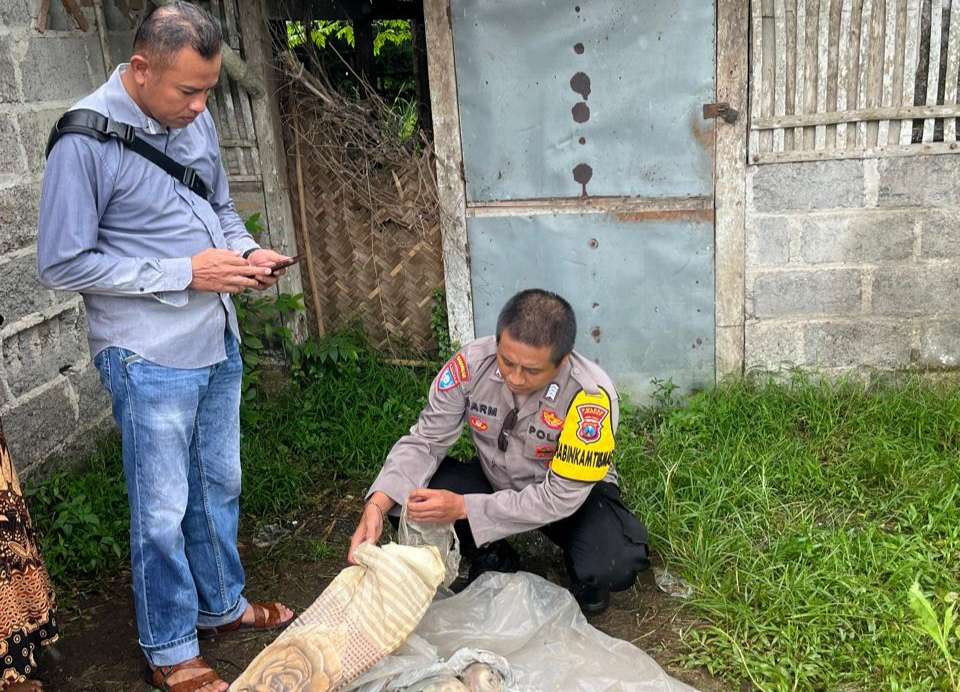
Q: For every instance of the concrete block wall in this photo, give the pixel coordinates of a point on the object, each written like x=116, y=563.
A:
x=50, y=395
x=853, y=265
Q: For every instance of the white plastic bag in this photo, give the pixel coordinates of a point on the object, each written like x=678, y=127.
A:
x=533, y=624
x=478, y=671
x=440, y=536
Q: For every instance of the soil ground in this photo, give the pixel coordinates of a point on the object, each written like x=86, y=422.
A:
x=98, y=647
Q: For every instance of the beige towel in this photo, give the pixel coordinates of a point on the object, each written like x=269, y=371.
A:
x=365, y=613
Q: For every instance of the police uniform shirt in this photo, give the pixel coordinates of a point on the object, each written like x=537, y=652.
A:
x=560, y=446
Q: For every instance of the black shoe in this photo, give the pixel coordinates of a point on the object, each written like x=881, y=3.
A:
x=499, y=556
x=593, y=600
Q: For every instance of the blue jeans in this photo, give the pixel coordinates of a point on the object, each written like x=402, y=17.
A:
x=181, y=461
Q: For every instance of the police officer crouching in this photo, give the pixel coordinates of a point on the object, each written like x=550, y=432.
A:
x=543, y=420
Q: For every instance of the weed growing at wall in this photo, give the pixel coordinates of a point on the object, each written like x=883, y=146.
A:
x=82, y=517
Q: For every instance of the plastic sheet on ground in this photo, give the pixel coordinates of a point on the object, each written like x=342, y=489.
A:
x=671, y=584
x=536, y=627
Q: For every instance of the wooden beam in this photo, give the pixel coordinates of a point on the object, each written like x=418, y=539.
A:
x=857, y=116
x=780, y=70
x=343, y=9
x=933, y=64
x=305, y=236
x=421, y=78
x=102, y=34
x=843, y=70
x=953, y=66
x=43, y=14
x=449, y=158
x=258, y=51
x=894, y=150
x=73, y=9
x=756, y=59
x=590, y=205
x=910, y=56
x=363, y=50
x=823, y=44
x=889, y=53
x=733, y=21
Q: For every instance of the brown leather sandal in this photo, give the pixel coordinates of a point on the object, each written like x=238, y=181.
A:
x=161, y=675
x=266, y=616
x=25, y=686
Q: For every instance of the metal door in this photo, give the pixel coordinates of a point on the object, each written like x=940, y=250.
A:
x=589, y=172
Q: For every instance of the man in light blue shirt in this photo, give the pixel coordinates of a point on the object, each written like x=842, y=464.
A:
x=156, y=264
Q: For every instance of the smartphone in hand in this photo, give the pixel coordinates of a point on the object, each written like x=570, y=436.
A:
x=287, y=263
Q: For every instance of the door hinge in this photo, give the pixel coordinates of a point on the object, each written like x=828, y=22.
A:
x=721, y=109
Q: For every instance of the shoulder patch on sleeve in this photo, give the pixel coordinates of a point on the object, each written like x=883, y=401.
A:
x=454, y=373
x=586, y=442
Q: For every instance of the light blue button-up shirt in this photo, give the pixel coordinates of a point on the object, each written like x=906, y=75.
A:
x=121, y=231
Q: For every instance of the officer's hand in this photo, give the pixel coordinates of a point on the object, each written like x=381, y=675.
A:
x=436, y=506
x=267, y=258
x=370, y=527
x=223, y=271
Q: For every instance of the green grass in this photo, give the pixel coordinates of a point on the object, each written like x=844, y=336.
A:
x=801, y=514
x=338, y=427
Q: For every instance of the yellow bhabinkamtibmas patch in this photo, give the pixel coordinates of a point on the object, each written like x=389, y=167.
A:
x=586, y=442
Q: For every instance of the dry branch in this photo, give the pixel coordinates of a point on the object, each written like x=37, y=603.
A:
x=43, y=14
x=73, y=9
x=102, y=34
x=372, y=210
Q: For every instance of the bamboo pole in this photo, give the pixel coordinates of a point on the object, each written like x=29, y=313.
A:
x=304, y=235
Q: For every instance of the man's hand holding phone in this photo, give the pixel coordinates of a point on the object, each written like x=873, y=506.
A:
x=273, y=261
x=288, y=262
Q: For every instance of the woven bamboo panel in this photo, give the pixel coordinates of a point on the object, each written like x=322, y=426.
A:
x=375, y=264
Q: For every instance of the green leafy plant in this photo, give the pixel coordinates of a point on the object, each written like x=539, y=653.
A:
x=264, y=335
x=254, y=225
x=665, y=393
x=387, y=32
x=943, y=632
x=82, y=517
x=441, y=327
x=339, y=352
x=400, y=121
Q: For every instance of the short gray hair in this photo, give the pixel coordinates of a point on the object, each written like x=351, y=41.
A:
x=170, y=28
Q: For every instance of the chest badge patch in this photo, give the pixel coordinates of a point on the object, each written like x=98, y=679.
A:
x=479, y=424
x=551, y=419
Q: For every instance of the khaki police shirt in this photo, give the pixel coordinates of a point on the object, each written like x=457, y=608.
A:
x=534, y=482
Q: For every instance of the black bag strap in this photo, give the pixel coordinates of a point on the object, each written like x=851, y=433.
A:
x=87, y=122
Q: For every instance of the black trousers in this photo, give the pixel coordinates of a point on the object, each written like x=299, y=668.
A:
x=604, y=545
